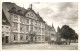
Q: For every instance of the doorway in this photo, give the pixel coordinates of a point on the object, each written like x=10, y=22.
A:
x=6, y=39
x=2, y=40
x=31, y=39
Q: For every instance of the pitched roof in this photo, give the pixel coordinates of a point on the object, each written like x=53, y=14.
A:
x=4, y=19
x=11, y=5
x=23, y=10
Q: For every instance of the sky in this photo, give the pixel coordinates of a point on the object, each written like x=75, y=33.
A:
x=56, y=13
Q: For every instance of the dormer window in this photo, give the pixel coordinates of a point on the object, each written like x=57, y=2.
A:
x=19, y=11
x=13, y=9
x=15, y=18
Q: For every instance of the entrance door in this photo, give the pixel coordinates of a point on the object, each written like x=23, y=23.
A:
x=6, y=39
x=31, y=39
x=2, y=39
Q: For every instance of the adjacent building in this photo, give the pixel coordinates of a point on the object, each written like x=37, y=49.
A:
x=49, y=32
x=5, y=29
x=26, y=25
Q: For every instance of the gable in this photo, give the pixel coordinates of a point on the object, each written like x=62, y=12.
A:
x=31, y=14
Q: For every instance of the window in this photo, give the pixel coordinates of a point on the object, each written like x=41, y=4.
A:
x=27, y=21
x=31, y=22
x=21, y=37
x=7, y=32
x=3, y=39
x=42, y=31
x=31, y=28
x=21, y=27
x=27, y=14
x=27, y=28
x=7, y=27
x=39, y=24
x=15, y=18
x=26, y=37
x=3, y=35
x=13, y=9
x=38, y=37
x=15, y=26
x=21, y=19
x=36, y=23
x=36, y=29
x=15, y=37
x=43, y=38
x=39, y=30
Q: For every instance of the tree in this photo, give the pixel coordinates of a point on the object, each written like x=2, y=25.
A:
x=67, y=32
x=76, y=36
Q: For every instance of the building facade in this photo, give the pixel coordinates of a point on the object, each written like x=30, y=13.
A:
x=49, y=33
x=5, y=30
x=26, y=24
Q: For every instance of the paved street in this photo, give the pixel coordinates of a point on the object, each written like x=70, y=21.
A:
x=43, y=46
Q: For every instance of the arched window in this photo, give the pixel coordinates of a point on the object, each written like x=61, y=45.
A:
x=15, y=18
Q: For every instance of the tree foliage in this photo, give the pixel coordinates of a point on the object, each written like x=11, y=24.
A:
x=68, y=33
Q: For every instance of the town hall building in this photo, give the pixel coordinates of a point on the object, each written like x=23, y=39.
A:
x=25, y=24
